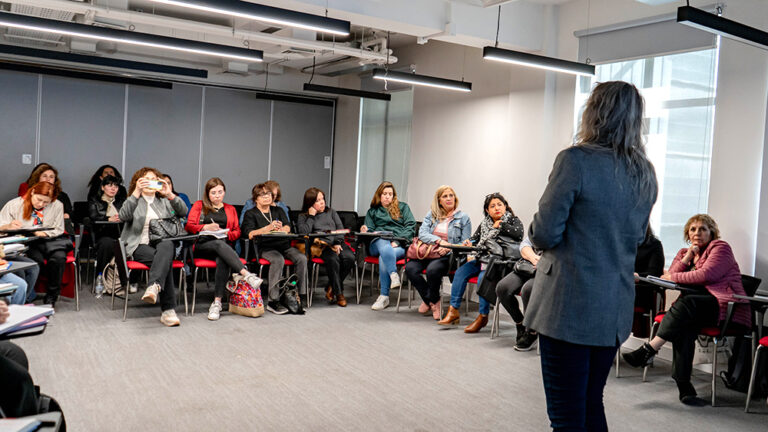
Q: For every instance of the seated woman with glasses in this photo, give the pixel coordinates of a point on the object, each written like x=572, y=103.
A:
x=391, y=216
x=152, y=198
x=104, y=207
x=708, y=262
x=38, y=208
x=339, y=259
x=212, y=214
x=499, y=221
x=258, y=223
x=276, y=192
x=443, y=224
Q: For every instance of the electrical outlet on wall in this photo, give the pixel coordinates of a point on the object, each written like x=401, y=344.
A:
x=327, y=162
x=26, y=159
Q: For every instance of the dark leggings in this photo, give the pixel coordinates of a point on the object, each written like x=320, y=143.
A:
x=18, y=397
x=226, y=258
x=54, y=269
x=159, y=259
x=105, y=251
x=681, y=325
x=429, y=289
x=338, y=266
x=506, y=290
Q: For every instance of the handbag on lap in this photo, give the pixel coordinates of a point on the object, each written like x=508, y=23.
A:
x=419, y=250
x=160, y=229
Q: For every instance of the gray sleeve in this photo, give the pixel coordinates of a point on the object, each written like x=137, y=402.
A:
x=549, y=222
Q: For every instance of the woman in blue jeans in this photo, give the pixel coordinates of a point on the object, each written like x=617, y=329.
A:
x=499, y=220
x=389, y=215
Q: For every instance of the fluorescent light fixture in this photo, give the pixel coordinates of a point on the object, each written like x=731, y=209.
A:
x=422, y=80
x=347, y=92
x=123, y=36
x=718, y=25
x=537, y=61
x=268, y=14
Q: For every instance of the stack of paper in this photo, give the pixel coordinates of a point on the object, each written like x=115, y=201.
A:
x=21, y=315
x=11, y=239
x=219, y=234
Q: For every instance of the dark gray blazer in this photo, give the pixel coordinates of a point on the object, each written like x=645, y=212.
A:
x=589, y=224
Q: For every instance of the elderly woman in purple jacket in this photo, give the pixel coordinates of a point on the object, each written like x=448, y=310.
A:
x=708, y=262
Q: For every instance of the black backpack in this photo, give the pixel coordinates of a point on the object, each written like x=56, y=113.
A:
x=740, y=370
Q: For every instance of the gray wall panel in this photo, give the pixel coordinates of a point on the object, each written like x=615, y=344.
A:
x=235, y=141
x=18, y=125
x=301, y=137
x=163, y=132
x=81, y=128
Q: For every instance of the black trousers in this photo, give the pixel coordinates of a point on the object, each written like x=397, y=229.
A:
x=159, y=260
x=54, y=269
x=429, y=290
x=105, y=251
x=681, y=325
x=227, y=262
x=506, y=290
x=18, y=397
x=338, y=266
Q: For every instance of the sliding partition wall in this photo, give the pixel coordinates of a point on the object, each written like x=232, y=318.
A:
x=191, y=132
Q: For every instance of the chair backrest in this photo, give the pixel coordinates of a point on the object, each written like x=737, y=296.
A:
x=121, y=262
x=79, y=212
x=418, y=227
x=348, y=219
x=751, y=284
x=238, y=208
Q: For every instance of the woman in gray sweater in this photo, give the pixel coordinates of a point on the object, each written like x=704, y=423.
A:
x=145, y=203
x=337, y=256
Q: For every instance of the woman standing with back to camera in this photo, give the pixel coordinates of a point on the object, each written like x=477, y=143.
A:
x=591, y=218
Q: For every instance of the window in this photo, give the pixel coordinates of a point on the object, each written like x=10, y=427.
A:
x=679, y=92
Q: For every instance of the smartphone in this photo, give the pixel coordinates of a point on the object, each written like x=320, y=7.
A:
x=155, y=185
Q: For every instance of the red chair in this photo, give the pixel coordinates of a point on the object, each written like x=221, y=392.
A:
x=373, y=261
x=206, y=264
x=717, y=334
x=314, y=276
x=762, y=344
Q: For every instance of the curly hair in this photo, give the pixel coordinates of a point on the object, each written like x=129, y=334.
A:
x=141, y=173
x=706, y=220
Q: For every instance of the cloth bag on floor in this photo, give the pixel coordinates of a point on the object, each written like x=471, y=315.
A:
x=245, y=299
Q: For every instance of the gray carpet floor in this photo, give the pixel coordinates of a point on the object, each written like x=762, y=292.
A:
x=333, y=369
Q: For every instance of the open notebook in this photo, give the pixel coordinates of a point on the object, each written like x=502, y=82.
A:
x=23, y=315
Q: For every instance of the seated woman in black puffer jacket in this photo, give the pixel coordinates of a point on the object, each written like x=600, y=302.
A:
x=104, y=207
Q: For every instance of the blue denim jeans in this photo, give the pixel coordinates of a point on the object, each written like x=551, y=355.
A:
x=574, y=377
x=460, y=279
x=388, y=257
x=30, y=276
x=20, y=295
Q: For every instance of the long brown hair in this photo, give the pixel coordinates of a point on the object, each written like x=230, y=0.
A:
x=394, y=208
x=141, y=173
x=310, y=196
x=613, y=120
x=39, y=188
x=34, y=176
x=210, y=184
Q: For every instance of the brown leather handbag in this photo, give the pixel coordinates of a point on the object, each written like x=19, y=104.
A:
x=419, y=250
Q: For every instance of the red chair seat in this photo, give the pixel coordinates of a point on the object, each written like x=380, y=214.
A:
x=710, y=331
x=473, y=280
x=204, y=263
x=177, y=264
x=135, y=265
x=658, y=318
x=242, y=260
x=70, y=259
x=318, y=261
x=764, y=341
x=375, y=260
x=288, y=262
x=264, y=262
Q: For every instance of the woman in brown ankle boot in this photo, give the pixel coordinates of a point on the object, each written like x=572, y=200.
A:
x=499, y=221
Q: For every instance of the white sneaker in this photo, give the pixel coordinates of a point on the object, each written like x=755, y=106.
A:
x=395, y=280
x=150, y=295
x=133, y=288
x=214, y=312
x=253, y=280
x=381, y=303
x=169, y=318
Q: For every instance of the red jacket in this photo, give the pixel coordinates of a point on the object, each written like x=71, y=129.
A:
x=194, y=226
x=719, y=272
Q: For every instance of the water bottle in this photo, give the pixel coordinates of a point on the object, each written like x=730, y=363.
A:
x=99, y=286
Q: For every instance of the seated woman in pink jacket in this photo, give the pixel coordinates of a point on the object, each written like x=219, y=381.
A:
x=708, y=262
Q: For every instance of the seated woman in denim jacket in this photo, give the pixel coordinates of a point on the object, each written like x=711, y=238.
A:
x=389, y=215
x=499, y=220
x=444, y=223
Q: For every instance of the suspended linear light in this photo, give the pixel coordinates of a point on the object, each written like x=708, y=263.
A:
x=537, y=61
x=128, y=37
x=423, y=80
x=347, y=92
x=718, y=25
x=267, y=14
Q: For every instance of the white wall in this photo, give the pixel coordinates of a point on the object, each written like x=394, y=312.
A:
x=346, y=133
x=740, y=108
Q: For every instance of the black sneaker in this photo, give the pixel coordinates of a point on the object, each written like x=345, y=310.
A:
x=276, y=308
x=527, y=342
x=640, y=357
x=688, y=394
x=520, y=332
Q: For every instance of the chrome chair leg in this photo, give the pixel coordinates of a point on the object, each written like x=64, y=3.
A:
x=495, y=320
x=714, y=369
x=752, y=378
x=194, y=292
